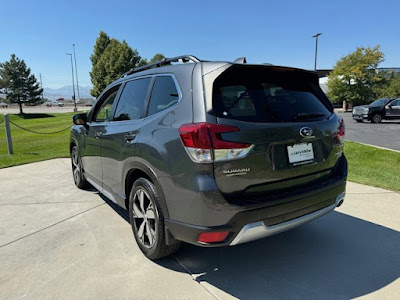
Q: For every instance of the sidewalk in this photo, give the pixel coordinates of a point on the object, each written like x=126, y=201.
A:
x=57, y=241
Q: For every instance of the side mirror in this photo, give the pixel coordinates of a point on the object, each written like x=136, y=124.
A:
x=80, y=119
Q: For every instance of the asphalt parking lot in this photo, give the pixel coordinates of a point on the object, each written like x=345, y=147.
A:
x=58, y=242
x=385, y=134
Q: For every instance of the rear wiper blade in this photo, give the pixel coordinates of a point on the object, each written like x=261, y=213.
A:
x=235, y=101
x=305, y=116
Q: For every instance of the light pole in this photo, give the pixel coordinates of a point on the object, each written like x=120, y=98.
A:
x=76, y=74
x=73, y=84
x=316, y=49
x=41, y=86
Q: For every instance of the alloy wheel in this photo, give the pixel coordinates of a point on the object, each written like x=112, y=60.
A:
x=76, y=165
x=145, y=216
x=377, y=118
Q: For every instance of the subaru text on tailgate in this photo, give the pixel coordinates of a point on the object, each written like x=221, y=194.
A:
x=212, y=153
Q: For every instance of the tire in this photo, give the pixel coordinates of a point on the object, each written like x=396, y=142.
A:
x=376, y=118
x=147, y=220
x=77, y=173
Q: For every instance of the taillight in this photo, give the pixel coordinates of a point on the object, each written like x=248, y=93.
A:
x=341, y=132
x=204, y=144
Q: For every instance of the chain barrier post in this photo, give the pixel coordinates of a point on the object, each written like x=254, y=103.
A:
x=8, y=134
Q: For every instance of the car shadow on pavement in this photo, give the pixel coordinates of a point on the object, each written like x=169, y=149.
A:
x=337, y=256
x=123, y=213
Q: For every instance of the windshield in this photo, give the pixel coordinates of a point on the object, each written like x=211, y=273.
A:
x=267, y=97
x=380, y=102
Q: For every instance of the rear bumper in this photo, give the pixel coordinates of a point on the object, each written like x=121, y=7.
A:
x=258, y=230
x=257, y=223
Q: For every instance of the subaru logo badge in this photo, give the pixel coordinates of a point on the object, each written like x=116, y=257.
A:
x=306, y=132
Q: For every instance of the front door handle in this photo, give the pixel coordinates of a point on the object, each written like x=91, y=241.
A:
x=130, y=136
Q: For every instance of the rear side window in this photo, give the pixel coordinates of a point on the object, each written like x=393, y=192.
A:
x=164, y=94
x=132, y=101
x=262, y=95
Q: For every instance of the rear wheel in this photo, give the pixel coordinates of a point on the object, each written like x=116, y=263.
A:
x=147, y=220
x=377, y=118
x=77, y=170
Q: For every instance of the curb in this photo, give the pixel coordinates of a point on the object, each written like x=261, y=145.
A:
x=383, y=148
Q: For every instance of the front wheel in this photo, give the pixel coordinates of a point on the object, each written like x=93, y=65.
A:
x=377, y=118
x=147, y=220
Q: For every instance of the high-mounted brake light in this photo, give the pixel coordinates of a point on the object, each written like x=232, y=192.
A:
x=204, y=144
x=341, y=132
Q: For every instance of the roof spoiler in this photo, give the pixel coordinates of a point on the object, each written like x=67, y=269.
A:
x=164, y=62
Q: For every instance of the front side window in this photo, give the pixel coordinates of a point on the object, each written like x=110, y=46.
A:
x=104, y=112
x=164, y=94
x=132, y=101
x=396, y=103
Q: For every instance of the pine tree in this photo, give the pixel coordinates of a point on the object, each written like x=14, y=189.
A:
x=21, y=86
x=110, y=59
x=101, y=44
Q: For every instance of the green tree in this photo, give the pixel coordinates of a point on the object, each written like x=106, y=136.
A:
x=156, y=57
x=20, y=85
x=142, y=62
x=355, y=77
x=392, y=87
x=109, y=63
x=101, y=44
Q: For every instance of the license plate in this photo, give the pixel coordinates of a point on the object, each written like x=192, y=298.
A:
x=300, y=153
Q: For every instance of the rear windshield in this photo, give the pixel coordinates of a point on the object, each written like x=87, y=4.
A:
x=265, y=95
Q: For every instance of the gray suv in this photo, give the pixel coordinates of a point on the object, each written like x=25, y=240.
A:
x=212, y=153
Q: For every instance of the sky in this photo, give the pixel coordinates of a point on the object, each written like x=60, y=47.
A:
x=277, y=32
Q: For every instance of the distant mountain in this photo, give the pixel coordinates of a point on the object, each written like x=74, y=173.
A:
x=66, y=92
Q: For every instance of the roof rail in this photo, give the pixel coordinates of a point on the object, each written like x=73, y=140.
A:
x=163, y=62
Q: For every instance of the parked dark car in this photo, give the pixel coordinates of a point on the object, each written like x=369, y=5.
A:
x=212, y=153
x=382, y=109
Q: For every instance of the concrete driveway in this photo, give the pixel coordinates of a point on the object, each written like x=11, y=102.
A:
x=58, y=242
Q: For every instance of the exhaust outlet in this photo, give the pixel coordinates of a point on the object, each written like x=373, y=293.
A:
x=340, y=199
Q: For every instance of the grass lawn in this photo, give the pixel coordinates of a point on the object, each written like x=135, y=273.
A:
x=30, y=147
x=373, y=166
x=367, y=165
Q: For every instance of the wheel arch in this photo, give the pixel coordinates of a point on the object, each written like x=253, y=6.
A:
x=136, y=171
